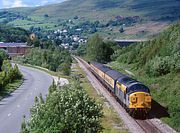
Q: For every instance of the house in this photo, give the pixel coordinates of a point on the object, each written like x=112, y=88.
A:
x=14, y=49
x=82, y=41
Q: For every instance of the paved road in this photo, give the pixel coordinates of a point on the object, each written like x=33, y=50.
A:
x=19, y=102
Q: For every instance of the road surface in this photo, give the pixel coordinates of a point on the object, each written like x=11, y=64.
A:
x=13, y=107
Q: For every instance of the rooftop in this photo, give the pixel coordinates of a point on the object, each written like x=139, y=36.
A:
x=13, y=45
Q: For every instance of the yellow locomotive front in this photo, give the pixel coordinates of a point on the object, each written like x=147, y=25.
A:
x=140, y=100
x=135, y=95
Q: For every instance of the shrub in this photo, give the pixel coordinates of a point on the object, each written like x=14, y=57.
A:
x=16, y=72
x=158, y=66
x=9, y=74
x=176, y=66
x=66, y=110
x=2, y=78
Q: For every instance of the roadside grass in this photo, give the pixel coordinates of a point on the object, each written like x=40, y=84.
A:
x=10, y=88
x=57, y=74
x=111, y=121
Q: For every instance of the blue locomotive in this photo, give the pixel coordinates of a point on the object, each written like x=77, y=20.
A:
x=132, y=94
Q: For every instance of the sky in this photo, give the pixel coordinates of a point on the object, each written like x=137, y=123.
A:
x=26, y=3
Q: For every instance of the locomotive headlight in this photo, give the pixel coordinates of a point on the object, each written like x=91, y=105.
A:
x=148, y=99
x=133, y=99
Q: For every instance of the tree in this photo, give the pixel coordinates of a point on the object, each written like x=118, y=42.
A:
x=121, y=30
x=9, y=74
x=3, y=56
x=36, y=43
x=2, y=78
x=57, y=42
x=75, y=17
x=46, y=15
x=66, y=110
x=6, y=66
x=17, y=73
x=97, y=50
x=81, y=50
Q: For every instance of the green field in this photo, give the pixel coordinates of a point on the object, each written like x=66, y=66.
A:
x=163, y=11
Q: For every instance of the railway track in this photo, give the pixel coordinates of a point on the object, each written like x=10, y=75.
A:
x=148, y=126
x=141, y=126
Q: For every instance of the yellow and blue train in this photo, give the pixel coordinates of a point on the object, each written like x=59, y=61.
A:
x=132, y=94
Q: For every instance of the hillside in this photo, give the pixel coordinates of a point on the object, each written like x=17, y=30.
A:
x=11, y=34
x=105, y=9
x=155, y=13
x=157, y=64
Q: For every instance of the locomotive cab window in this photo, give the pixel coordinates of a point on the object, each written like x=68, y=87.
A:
x=138, y=87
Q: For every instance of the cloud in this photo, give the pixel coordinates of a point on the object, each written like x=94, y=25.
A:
x=6, y=3
x=26, y=3
x=44, y=2
x=18, y=3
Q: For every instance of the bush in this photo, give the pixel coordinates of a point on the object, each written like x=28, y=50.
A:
x=176, y=65
x=16, y=73
x=2, y=79
x=66, y=110
x=65, y=68
x=3, y=56
x=9, y=74
x=81, y=50
x=163, y=65
x=158, y=66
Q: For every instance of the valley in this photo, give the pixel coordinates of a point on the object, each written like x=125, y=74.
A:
x=116, y=64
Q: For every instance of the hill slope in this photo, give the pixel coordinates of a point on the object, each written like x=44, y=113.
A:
x=53, y=16
x=166, y=10
x=152, y=10
x=157, y=64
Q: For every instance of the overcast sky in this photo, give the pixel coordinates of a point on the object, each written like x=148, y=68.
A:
x=26, y=3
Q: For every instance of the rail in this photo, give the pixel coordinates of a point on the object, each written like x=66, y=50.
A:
x=146, y=125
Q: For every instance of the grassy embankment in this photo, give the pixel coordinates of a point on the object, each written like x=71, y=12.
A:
x=111, y=121
x=157, y=64
x=8, y=89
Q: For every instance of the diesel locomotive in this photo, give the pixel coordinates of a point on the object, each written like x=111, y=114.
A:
x=132, y=94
